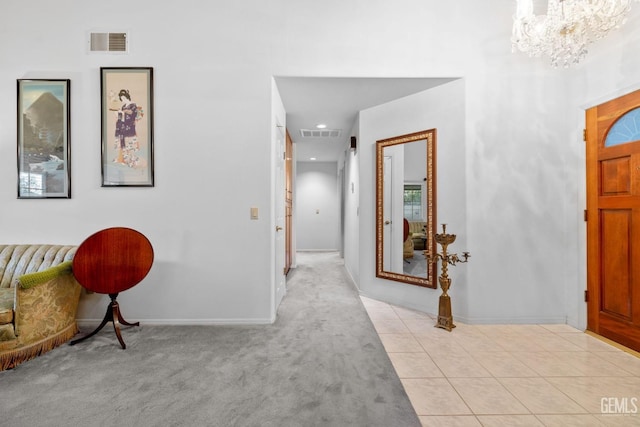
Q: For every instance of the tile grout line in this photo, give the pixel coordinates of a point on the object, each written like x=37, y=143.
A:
x=439, y=369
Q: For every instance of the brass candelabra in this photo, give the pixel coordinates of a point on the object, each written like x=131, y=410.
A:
x=445, y=319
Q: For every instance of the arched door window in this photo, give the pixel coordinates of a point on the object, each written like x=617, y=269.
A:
x=625, y=129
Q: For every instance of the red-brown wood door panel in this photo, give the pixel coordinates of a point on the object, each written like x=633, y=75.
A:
x=615, y=284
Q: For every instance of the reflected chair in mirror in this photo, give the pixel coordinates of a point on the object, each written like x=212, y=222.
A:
x=407, y=251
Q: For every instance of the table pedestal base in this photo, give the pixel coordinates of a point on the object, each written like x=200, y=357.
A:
x=112, y=315
x=445, y=319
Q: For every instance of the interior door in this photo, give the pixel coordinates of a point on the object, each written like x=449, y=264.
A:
x=613, y=219
x=393, y=230
x=279, y=240
x=387, y=212
x=288, y=205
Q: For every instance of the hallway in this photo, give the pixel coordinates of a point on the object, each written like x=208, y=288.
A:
x=508, y=375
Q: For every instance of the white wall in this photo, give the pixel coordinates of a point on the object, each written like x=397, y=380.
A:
x=317, y=206
x=415, y=161
x=212, y=82
x=441, y=108
x=351, y=238
x=519, y=187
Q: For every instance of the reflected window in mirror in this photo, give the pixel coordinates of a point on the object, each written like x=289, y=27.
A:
x=413, y=202
x=405, y=208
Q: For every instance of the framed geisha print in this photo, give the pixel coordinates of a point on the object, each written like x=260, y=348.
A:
x=127, y=126
x=43, y=128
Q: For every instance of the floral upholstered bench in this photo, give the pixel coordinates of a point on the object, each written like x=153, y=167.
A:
x=418, y=233
x=39, y=299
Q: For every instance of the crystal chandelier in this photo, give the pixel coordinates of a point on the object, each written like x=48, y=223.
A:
x=565, y=28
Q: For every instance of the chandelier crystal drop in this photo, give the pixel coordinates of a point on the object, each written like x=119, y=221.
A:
x=563, y=30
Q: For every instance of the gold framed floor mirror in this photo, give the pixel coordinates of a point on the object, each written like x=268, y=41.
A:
x=406, y=208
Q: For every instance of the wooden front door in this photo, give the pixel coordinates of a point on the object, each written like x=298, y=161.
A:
x=613, y=220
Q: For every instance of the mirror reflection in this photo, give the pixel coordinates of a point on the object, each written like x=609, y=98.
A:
x=405, y=208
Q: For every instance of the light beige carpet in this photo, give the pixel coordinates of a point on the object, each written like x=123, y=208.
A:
x=320, y=364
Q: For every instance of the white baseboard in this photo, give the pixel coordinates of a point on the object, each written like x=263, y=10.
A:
x=186, y=322
x=531, y=320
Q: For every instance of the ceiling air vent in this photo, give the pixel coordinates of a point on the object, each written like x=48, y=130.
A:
x=320, y=133
x=108, y=42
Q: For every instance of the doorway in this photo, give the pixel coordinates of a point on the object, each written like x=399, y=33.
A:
x=613, y=219
x=288, y=204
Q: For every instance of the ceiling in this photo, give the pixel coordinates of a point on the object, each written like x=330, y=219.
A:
x=335, y=102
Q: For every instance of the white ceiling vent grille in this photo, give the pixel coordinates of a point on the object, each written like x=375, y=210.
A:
x=115, y=42
x=320, y=133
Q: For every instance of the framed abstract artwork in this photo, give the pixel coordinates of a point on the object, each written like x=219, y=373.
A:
x=127, y=126
x=44, y=154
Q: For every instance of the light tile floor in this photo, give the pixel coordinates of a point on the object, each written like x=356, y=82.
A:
x=508, y=375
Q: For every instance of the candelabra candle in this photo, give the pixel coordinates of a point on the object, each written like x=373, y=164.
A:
x=445, y=318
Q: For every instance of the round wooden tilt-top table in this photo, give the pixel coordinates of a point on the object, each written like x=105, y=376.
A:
x=109, y=262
